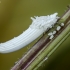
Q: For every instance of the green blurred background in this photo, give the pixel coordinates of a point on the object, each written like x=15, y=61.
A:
x=15, y=18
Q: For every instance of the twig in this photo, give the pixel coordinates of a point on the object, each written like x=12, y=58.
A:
x=46, y=45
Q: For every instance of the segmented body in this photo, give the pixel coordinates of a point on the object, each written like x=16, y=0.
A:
x=39, y=26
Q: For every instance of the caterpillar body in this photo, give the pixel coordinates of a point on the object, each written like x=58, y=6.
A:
x=39, y=26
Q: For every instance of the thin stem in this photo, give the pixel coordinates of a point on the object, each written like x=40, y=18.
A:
x=45, y=46
x=51, y=52
x=51, y=48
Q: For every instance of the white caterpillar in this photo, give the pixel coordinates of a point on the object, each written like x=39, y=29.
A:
x=38, y=26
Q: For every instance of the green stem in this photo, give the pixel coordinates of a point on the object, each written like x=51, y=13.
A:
x=51, y=48
x=54, y=44
x=51, y=52
x=32, y=61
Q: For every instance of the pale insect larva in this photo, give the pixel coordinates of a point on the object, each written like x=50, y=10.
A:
x=54, y=32
x=45, y=58
x=50, y=33
x=51, y=37
x=39, y=26
x=58, y=28
x=62, y=24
